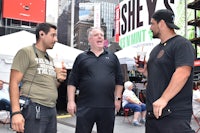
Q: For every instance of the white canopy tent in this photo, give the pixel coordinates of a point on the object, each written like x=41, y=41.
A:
x=126, y=55
x=11, y=43
x=64, y=53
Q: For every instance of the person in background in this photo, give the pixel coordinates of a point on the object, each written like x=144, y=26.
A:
x=4, y=96
x=198, y=85
x=97, y=75
x=34, y=69
x=131, y=101
x=196, y=100
x=169, y=71
x=194, y=86
x=5, y=100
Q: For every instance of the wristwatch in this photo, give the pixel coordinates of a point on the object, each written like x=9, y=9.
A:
x=118, y=98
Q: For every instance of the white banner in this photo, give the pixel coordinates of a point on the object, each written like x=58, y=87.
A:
x=135, y=19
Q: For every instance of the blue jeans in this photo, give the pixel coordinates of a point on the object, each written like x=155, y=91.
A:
x=136, y=107
x=47, y=122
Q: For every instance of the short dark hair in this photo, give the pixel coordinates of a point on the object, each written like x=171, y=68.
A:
x=45, y=27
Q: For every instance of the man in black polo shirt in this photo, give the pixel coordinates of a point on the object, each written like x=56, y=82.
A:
x=97, y=75
x=170, y=75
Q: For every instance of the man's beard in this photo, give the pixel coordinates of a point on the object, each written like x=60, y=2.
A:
x=155, y=35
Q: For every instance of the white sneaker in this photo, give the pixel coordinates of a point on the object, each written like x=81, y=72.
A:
x=136, y=123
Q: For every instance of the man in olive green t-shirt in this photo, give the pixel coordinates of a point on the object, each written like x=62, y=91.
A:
x=35, y=70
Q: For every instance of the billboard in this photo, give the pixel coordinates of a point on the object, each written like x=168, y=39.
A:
x=25, y=10
x=90, y=12
x=134, y=21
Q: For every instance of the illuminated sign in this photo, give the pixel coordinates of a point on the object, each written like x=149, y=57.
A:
x=25, y=10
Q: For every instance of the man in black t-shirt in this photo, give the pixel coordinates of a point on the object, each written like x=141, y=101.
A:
x=170, y=75
x=97, y=75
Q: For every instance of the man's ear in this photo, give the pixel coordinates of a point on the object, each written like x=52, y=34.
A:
x=162, y=23
x=41, y=33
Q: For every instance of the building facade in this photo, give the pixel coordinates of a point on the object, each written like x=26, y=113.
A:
x=108, y=15
x=107, y=12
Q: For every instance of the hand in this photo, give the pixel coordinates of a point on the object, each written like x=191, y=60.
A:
x=18, y=123
x=71, y=108
x=117, y=105
x=141, y=70
x=61, y=73
x=158, y=106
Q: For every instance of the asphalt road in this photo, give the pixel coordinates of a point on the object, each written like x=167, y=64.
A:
x=66, y=124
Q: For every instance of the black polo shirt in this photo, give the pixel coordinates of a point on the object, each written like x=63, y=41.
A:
x=163, y=61
x=96, y=77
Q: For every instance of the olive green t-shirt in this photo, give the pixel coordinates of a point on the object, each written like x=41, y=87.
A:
x=39, y=79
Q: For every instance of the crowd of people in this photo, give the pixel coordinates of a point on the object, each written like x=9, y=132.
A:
x=97, y=76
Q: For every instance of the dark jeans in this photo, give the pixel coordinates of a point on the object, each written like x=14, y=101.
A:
x=5, y=105
x=47, y=122
x=103, y=117
x=168, y=125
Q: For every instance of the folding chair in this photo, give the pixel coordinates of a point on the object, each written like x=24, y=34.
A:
x=127, y=113
x=197, y=121
x=5, y=117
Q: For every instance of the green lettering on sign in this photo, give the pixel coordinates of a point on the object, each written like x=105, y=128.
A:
x=134, y=38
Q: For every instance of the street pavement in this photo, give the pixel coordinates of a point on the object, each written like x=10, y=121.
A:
x=66, y=124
